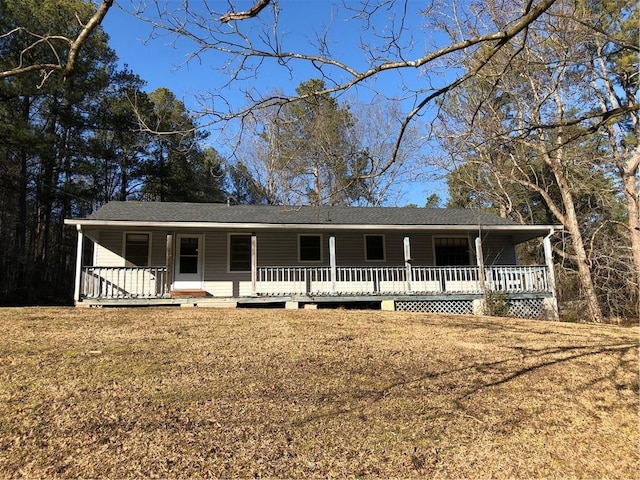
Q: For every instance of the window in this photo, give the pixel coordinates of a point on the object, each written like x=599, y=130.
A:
x=239, y=253
x=136, y=249
x=310, y=248
x=452, y=251
x=374, y=248
x=188, y=262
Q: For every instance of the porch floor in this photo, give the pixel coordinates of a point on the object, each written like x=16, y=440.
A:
x=277, y=300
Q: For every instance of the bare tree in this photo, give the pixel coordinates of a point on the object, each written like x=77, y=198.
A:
x=246, y=41
x=370, y=131
x=532, y=122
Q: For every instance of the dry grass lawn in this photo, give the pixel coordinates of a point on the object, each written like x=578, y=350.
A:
x=272, y=393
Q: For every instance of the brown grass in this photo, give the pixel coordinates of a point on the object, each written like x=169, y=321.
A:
x=274, y=393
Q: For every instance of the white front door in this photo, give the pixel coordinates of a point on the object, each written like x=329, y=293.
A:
x=188, y=266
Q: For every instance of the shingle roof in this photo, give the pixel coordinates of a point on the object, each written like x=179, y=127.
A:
x=306, y=215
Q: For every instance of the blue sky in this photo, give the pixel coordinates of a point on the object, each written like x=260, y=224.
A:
x=161, y=61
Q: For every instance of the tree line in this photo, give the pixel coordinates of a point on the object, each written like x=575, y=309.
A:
x=71, y=143
x=530, y=110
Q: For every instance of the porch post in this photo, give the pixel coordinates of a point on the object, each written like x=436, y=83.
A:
x=76, y=290
x=548, y=258
x=332, y=262
x=406, y=244
x=169, y=264
x=254, y=263
x=480, y=262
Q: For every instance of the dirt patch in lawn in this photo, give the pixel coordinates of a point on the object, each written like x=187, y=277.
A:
x=245, y=393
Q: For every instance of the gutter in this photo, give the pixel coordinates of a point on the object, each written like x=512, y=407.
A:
x=84, y=223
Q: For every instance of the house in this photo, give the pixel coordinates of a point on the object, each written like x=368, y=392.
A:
x=416, y=259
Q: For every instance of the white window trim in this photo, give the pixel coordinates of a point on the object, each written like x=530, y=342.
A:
x=124, y=245
x=236, y=234
x=469, y=244
x=321, y=247
x=201, y=250
x=384, y=247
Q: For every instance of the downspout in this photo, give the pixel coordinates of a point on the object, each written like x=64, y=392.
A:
x=480, y=306
x=76, y=289
x=548, y=258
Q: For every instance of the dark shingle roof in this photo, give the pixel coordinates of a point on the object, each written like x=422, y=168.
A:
x=307, y=215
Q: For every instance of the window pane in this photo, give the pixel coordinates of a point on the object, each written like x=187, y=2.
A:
x=189, y=246
x=374, y=247
x=136, y=249
x=310, y=248
x=240, y=253
x=452, y=251
x=188, y=264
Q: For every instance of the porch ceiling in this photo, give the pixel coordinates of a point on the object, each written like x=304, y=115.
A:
x=519, y=233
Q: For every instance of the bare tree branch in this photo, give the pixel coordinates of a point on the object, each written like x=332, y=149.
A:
x=65, y=64
x=252, y=12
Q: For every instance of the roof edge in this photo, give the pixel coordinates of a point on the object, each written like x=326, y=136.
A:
x=305, y=226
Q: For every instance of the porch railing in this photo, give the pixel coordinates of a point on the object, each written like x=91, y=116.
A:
x=150, y=282
x=397, y=280
x=123, y=282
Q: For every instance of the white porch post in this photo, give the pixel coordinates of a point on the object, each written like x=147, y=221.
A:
x=406, y=244
x=76, y=291
x=548, y=258
x=254, y=263
x=332, y=262
x=480, y=262
x=169, y=265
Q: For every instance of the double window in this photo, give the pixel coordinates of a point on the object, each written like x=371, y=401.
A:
x=136, y=249
x=452, y=251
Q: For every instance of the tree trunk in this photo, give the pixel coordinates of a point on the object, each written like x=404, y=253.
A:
x=632, y=196
x=572, y=225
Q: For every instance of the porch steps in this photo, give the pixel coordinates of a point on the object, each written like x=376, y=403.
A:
x=211, y=303
x=188, y=294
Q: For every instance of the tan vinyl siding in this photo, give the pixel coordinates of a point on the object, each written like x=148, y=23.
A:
x=158, y=249
x=215, y=255
x=281, y=248
x=498, y=250
x=109, y=252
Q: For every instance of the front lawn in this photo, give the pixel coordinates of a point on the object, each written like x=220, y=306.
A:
x=252, y=393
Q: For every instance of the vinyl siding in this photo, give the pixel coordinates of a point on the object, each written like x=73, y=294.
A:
x=281, y=249
x=109, y=251
x=277, y=248
x=498, y=250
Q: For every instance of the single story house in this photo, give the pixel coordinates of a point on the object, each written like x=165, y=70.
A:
x=415, y=259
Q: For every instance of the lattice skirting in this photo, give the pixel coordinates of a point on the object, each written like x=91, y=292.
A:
x=460, y=307
x=518, y=307
x=526, y=308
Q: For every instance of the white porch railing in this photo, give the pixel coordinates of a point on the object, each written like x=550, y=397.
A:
x=521, y=279
x=150, y=282
x=395, y=280
x=123, y=282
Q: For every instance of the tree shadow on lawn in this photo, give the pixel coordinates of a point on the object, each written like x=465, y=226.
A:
x=500, y=372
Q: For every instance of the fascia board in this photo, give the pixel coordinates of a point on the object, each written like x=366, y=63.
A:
x=84, y=223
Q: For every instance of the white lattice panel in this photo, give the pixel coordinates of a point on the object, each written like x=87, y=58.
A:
x=526, y=308
x=460, y=307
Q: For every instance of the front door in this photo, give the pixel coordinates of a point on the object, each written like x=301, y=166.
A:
x=188, y=262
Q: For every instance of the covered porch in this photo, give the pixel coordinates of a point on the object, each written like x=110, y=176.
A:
x=151, y=282
x=336, y=257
